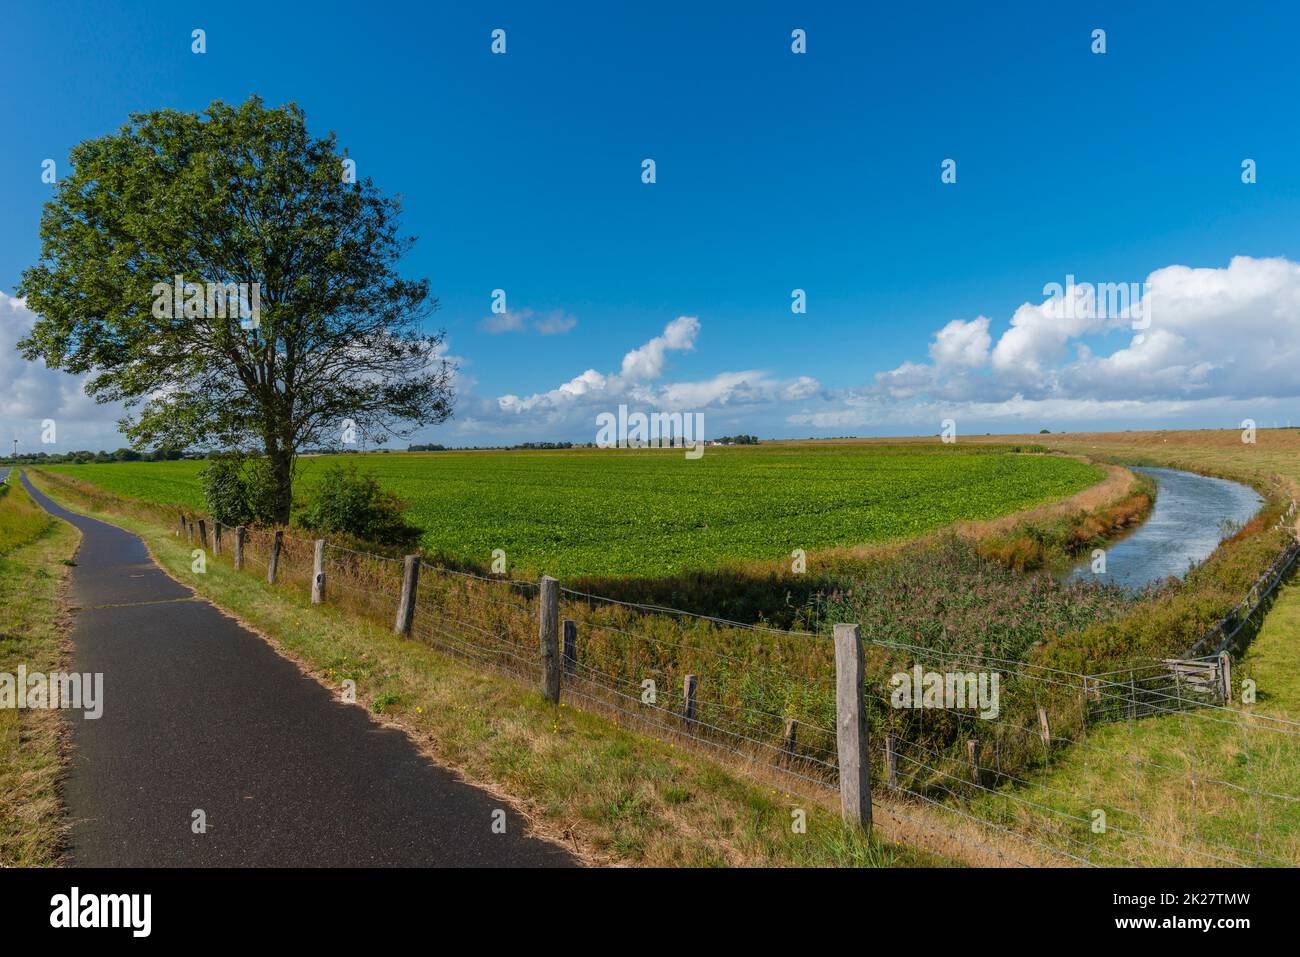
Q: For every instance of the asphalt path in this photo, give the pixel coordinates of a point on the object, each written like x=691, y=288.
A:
x=200, y=714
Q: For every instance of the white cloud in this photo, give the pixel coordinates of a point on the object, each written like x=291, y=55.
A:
x=637, y=383
x=647, y=361
x=554, y=323
x=962, y=343
x=31, y=393
x=725, y=388
x=500, y=322
x=1040, y=333
x=1220, y=342
x=587, y=383
x=642, y=364
x=804, y=387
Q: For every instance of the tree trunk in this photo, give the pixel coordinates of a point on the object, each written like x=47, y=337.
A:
x=281, y=462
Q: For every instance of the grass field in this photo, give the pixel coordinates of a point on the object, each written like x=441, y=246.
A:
x=1191, y=789
x=615, y=795
x=33, y=548
x=603, y=512
x=1150, y=775
x=1179, y=750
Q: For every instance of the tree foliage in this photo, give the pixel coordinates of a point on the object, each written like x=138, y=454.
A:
x=237, y=194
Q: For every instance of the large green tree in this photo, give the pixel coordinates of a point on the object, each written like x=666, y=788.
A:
x=243, y=194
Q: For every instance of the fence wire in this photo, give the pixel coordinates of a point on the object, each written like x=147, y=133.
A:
x=766, y=697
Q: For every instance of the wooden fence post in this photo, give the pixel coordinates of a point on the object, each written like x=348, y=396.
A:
x=273, y=566
x=570, y=647
x=791, y=736
x=406, y=604
x=318, y=573
x=1047, y=730
x=851, y=728
x=973, y=752
x=203, y=533
x=1225, y=676
x=240, y=534
x=688, y=698
x=183, y=526
x=189, y=532
x=548, y=610
x=216, y=538
x=891, y=762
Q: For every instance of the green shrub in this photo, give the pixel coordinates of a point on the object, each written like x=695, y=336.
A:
x=345, y=502
x=237, y=491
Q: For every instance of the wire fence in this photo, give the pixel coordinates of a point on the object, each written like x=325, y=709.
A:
x=1036, y=765
x=1226, y=634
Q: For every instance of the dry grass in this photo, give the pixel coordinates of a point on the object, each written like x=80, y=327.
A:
x=365, y=589
x=1273, y=459
x=32, y=633
x=617, y=828
x=586, y=779
x=1118, y=485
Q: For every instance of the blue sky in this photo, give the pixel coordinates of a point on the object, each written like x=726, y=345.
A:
x=775, y=171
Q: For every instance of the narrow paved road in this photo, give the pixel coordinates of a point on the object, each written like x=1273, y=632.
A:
x=200, y=714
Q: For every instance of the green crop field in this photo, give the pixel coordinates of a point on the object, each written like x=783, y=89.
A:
x=653, y=513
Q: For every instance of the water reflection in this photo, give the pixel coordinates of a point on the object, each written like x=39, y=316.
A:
x=1192, y=514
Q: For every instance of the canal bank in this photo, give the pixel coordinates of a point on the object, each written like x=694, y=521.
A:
x=1192, y=515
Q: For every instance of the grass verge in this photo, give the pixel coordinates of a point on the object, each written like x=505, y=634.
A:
x=612, y=795
x=34, y=553
x=1192, y=789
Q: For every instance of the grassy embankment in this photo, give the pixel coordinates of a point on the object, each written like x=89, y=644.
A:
x=612, y=794
x=34, y=552
x=1054, y=536
x=1179, y=616
x=1163, y=768
x=1187, y=789
x=752, y=684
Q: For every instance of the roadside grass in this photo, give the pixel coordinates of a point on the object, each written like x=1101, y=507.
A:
x=34, y=552
x=609, y=793
x=1160, y=776
x=21, y=519
x=1183, y=805
x=1171, y=785
x=933, y=614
